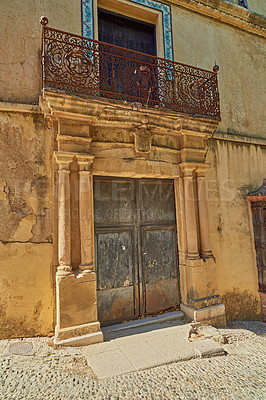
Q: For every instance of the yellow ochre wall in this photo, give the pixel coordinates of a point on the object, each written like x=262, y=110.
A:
x=20, y=44
x=236, y=169
x=26, y=301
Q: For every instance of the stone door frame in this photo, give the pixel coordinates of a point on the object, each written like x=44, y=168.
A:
x=77, y=158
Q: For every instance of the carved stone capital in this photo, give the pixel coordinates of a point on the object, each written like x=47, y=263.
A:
x=201, y=170
x=63, y=159
x=188, y=169
x=84, y=162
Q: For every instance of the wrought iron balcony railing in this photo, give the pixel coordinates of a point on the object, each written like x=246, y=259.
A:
x=80, y=66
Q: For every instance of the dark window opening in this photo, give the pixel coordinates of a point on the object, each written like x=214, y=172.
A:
x=243, y=3
x=124, y=75
x=126, y=32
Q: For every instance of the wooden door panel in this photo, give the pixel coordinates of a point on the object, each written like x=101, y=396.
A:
x=113, y=201
x=159, y=253
x=115, y=275
x=115, y=305
x=115, y=252
x=161, y=295
x=157, y=201
x=160, y=270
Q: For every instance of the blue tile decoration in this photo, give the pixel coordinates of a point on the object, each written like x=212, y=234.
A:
x=167, y=24
x=88, y=23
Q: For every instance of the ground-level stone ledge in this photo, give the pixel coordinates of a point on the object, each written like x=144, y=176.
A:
x=85, y=340
x=80, y=335
x=214, y=315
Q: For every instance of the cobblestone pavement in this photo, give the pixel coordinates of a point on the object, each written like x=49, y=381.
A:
x=63, y=373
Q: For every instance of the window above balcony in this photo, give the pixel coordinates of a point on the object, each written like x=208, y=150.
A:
x=126, y=32
x=147, y=11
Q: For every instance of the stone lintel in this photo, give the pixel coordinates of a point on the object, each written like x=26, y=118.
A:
x=135, y=168
x=73, y=144
x=214, y=315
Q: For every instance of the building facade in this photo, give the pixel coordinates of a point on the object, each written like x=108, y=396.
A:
x=125, y=171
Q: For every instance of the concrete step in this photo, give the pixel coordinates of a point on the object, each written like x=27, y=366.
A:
x=148, y=324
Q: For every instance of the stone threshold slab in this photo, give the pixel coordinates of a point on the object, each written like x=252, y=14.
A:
x=142, y=325
x=147, y=350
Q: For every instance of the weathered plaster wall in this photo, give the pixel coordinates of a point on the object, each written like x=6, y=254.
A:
x=236, y=169
x=25, y=286
x=26, y=303
x=258, y=6
x=20, y=44
x=201, y=41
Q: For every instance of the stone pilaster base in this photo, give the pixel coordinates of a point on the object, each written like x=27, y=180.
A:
x=77, y=321
x=214, y=315
x=80, y=335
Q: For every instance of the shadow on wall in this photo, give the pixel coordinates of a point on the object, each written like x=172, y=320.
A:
x=242, y=305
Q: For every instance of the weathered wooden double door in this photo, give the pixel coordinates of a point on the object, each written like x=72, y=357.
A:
x=135, y=247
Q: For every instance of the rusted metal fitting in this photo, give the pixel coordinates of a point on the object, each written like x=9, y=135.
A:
x=43, y=20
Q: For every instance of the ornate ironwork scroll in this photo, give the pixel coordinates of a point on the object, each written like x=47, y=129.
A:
x=81, y=66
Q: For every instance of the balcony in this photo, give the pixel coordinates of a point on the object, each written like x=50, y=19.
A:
x=84, y=67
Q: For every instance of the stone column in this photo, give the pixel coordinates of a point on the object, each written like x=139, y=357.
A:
x=200, y=300
x=205, y=245
x=76, y=296
x=86, y=212
x=64, y=218
x=190, y=212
